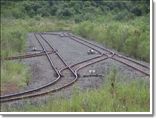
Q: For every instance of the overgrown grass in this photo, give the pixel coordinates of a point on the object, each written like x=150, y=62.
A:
x=13, y=42
x=14, y=32
x=13, y=73
x=130, y=37
x=114, y=96
x=125, y=32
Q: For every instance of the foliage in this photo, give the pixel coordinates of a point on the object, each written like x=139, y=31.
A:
x=13, y=42
x=131, y=37
x=14, y=32
x=121, y=25
x=71, y=9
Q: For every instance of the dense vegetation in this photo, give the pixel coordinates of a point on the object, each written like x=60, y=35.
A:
x=77, y=10
x=121, y=25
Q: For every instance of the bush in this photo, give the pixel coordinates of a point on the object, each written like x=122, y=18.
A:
x=136, y=11
x=124, y=15
x=66, y=12
x=38, y=17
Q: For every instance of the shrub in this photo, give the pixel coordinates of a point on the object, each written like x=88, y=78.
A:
x=136, y=11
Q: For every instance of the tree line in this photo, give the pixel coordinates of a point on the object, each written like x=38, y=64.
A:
x=77, y=10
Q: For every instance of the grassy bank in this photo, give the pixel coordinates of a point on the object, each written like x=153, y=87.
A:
x=129, y=37
x=114, y=96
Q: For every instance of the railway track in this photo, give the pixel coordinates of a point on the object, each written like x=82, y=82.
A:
x=144, y=69
x=27, y=55
x=77, y=67
x=60, y=82
x=28, y=94
x=47, y=85
x=133, y=65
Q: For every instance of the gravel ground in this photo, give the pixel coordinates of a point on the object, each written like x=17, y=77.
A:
x=72, y=52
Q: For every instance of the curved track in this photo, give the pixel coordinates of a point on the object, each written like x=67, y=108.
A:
x=73, y=68
x=28, y=94
x=144, y=69
x=101, y=58
x=47, y=85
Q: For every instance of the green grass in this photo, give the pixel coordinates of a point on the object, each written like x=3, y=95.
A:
x=118, y=94
x=13, y=73
x=13, y=42
x=130, y=37
x=125, y=32
x=14, y=32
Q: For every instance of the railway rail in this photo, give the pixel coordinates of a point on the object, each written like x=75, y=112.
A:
x=77, y=68
x=144, y=69
x=42, y=87
x=49, y=84
x=72, y=68
x=27, y=55
x=28, y=94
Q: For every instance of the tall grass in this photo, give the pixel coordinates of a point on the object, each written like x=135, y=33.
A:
x=116, y=95
x=124, y=32
x=13, y=73
x=130, y=37
x=14, y=32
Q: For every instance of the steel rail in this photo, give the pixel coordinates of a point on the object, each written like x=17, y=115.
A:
x=86, y=45
x=98, y=56
x=124, y=57
x=26, y=56
x=42, y=87
x=56, y=89
x=116, y=55
x=60, y=57
x=109, y=51
x=73, y=37
x=49, y=58
x=49, y=84
x=52, y=65
x=131, y=66
x=77, y=41
x=102, y=48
